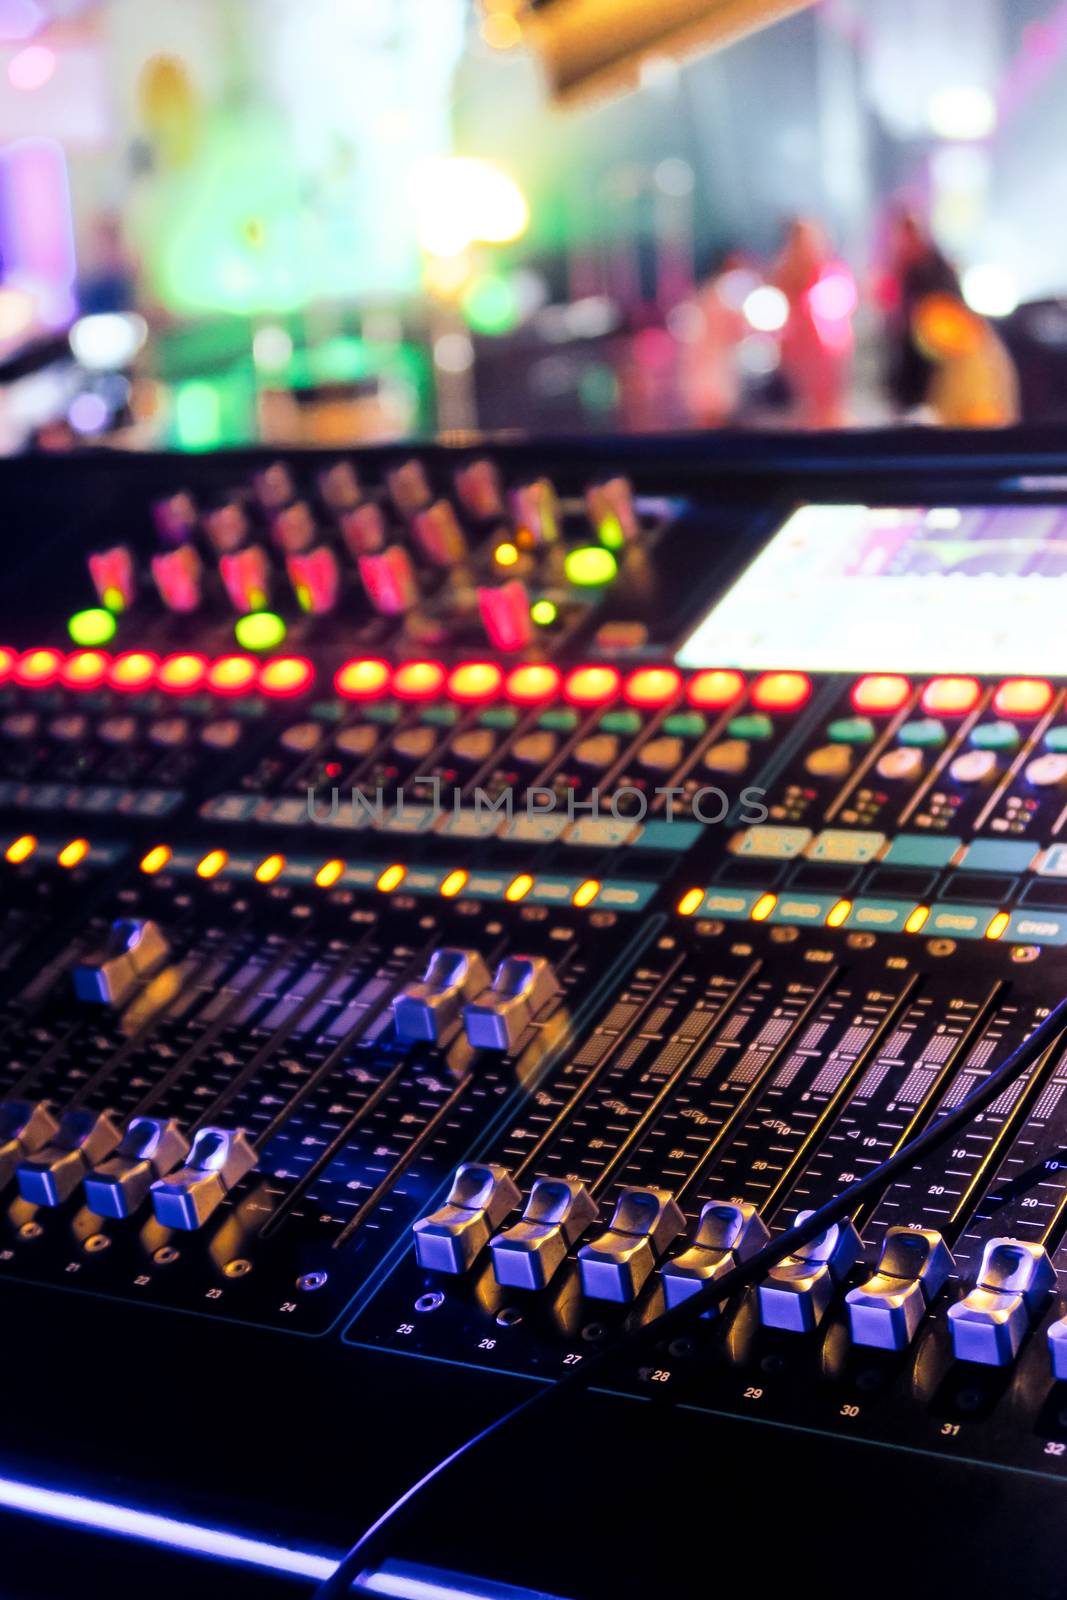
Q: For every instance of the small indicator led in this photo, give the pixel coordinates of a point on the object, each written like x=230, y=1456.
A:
x=113, y=598
x=231, y=675
x=881, y=692
x=455, y=883
x=591, y=686
x=544, y=613
x=532, y=683
x=181, y=674
x=505, y=555
x=133, y=670
x=74, y=853
x=282, y=677
x=691, y=902
x=362, y=679
x=585, y=893
x=392, y=878
x=156, y=859
x=37, y=668
x=518, y=888
x=8, y=658
x=651, y=687
x=475, y=680
x=418, y=680
x=590, y=567
x=85, y=669
x=839, y=913
x=20, y=849
x=998, y=925
x=916, y=922
x=212, y=864
x=610, y=533
x=269, y=869
x=763, y=907
x=780, y=691
x=92, y=627
x=714, y=689
x=1023, y=697
x=329, y=873
x=950, y=697
x=260, y=630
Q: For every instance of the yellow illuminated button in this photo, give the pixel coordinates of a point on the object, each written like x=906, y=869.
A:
x=839, y=913
x=212, y=864
x=690, y=902
x=418, y=680
x=475, y=680
x=917, y=920
x=455, y=883
x=392, y=878
x=181, y=674
x=269, y=869
x=20, y=849
x=519, y=887
x=328, y=874
x=156, y=859
x=133, y=670
x=997, y=926
x=74, y=853
x=231, y=674
x=586, y=892
x=362, y=680
x=763, y=907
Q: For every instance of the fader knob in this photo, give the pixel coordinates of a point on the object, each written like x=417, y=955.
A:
x=425, y=1011
x=26, y=1126
x=217, y=1162
x=796, y=1293
x=728, y=1234
x=113, y=576
x=439, y=534
x=616, y=1265
x=506, y=615
x=480, y=1199
x=389, y=580
x=134, y=948
x=885, y=1312
x=556, y=1215
x=522, y=986
x=83, y=1139
x=178, y=575
x=1014, y=1281
x=150, y=1148
x=246, y=577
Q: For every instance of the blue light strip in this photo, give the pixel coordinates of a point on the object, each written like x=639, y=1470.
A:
x=400, y=1581
x=104, y=1516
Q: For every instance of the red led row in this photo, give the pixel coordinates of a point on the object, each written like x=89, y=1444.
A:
x=134, y=671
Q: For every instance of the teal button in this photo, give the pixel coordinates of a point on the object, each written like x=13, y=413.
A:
x=499, y=717
x=995, y=736
x=1056, y=739
x=774, y=844
x=916, y=850
x=881, y=916
x=803, y=908
x=626, y=722
x=436, y=716
x=485, y=886
x=959, y=922
x=732, y=905
x=925, y=734
x=554, y=891
x=1036, y=927
x=999, y=855
x=841, y=844
x=357, y=876
x=669, y=835
x=561, y=721
x=754, y=725
x=851, y=730
x=423, y=880
x=624, y=894
x=686, y=725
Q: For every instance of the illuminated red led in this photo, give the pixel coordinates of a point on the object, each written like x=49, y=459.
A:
x=533, y=683
x=232, y=675
x=418, y=680
x=1023, y=697
x=282, y=677
x=365, y=678
x=881, y=692
x=84, y=669
x=133, y=670
x=34, y=669
x=780, y=691
x=182, y=674
x=591, y=686
x=474, y=681
x=714, y=689
x=8, y=659
x=651, y=687
x=951, y=697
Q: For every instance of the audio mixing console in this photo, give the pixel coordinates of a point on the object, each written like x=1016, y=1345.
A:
x=457, y=904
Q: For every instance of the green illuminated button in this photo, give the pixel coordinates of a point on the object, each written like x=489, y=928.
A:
x=590, y=567
x=851, y=730
x=627, y=722
x=438, y=716
x=752, y=725
x=499, y=717
x=559, y=721
x=925, y=734
x=93, y=627
x=686, y=725
x=995, y=736
x=260, y=630
x=1056, y=739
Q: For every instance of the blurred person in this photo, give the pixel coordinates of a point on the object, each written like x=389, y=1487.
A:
x=817, y=337
x=917, y=269
x=974, y=383
x=710, y=375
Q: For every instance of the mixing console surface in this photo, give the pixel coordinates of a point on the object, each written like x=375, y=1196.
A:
x=458, y=904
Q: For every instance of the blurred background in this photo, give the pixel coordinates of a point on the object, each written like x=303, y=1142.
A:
x=327, y=221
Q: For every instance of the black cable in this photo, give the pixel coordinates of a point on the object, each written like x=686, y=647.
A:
x=756, y=1267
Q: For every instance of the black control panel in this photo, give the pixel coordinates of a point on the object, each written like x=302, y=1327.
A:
x=460, y=901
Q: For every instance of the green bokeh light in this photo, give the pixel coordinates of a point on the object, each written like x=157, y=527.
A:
x=610, y=532
x=590, y=566
x=491, y=305
x=544, y=612
x=93, y=627
x=260, y=630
